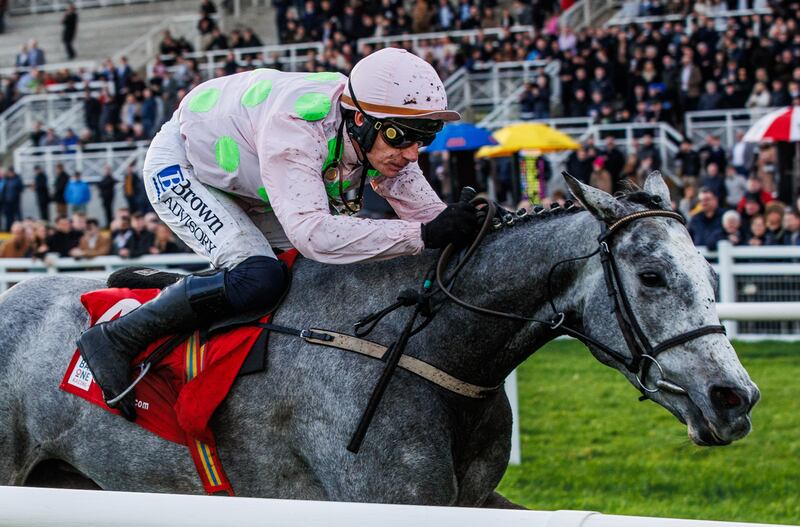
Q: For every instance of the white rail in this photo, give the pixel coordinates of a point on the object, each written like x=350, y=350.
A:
x=416, y=39
x=585, y=13
x=32, y=7
x=721, y=123
x=90, y=160
x=622, y=18
x=29, y=507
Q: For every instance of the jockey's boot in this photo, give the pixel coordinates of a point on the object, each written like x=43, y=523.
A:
x=109, y=347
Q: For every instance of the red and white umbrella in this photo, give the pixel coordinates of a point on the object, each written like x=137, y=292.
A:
x=779, y=126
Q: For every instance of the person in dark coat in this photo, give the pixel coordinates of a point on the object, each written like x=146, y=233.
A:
x=140, y=241
x=579, y=165
x=12, y=194
x=62, y=179
x=42, y=192
x=64, y=239
x=705, y=227
x=106, y=187
x=69, y=25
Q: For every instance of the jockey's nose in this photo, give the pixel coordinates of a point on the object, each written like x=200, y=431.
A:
x=411, y=154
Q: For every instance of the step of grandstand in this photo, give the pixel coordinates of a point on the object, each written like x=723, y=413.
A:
x=104, y=31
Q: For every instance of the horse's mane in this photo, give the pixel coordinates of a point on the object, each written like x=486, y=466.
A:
x=632, y=194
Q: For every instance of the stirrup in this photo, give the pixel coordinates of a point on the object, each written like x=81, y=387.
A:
x=144, y=368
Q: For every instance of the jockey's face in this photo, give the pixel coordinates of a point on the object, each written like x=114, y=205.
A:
x=387, y=160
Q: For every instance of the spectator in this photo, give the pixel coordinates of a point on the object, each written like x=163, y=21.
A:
x=758, y=231
x=19, y=245
x=713, y=152
x=754, y=190
x=614, y=161
x=77, y=193
x=760, y=97
x=12, y=195
x=649, y=150
x=713, y=181
x=78, y=223
x=711, y=99
x=35, y=54
x=140, y=239
x=63, y=239
x=773, y=221
x=791, y=227
x=705, y=227
x=133, y=189
x=688, y=201
x=69, y=25
x=688, y=160
x=106, y=188
x=579, y=165
x=731, y=226
x=61, y=181
x=164, y=241
x=121, y=233
x=37, y=134
x=39, y=186
x=600, y=177
x=735, y=187
x=93, y=242
x=742, y=154
x=691, y=81
x=69, y=141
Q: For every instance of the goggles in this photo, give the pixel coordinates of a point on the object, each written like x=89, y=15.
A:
x=402, y=134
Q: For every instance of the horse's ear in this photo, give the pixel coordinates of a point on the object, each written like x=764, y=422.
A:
x=601, y=204
x=654, y=184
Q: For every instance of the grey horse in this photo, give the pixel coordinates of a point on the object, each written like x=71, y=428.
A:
x=283, y=433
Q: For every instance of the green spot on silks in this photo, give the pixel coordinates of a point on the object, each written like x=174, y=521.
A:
x=257, y=93
x=262, y=192
x=332, y=188
x=312, y=106
x=333, y=156
x=226, y=152
x=205, y=100
x=324, y=76
x=373, y=173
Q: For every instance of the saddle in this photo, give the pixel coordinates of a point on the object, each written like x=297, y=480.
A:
x=187, y=376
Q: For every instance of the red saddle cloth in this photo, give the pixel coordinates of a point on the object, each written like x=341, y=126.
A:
x=178, y=396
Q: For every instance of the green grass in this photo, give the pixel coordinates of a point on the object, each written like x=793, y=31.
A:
x=588, y=444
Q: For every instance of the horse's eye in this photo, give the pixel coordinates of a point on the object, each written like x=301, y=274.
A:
x=651, y=279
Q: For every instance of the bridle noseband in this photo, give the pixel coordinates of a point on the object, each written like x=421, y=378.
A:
x=642, y=354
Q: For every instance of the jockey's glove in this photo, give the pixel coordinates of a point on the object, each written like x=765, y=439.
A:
x=457, y=224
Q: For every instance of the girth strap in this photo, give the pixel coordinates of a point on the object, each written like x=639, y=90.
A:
x=416, y=366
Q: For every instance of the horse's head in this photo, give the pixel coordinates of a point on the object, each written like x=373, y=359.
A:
x=669, y=288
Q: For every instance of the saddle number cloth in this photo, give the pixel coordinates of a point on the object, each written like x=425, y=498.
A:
x=178, y=396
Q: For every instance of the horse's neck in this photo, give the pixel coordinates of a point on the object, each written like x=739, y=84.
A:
x=510, y=274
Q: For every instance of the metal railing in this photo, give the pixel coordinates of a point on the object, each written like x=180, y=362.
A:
x=32, y=7
x=75, y=66
x=721, y=123
x=52, y=110
x=289, y=56
x=585, y=13
x=624, y=17
x=414, y=41
x=90, y=160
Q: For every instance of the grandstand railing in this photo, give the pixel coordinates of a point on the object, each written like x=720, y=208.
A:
x=290, y=56
x=50, y=109
x=74, y=66
x=90, y=160
x=15, y=270
x=416, y=39
x=585, y=13
x=721, y=123
x=32, y=7
x=626, y=17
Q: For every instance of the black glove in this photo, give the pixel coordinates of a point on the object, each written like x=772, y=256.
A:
x=457, y=224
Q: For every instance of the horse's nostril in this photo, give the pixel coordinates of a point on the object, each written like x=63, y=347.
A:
x=726, y=398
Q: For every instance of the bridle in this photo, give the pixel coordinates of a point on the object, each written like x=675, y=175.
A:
x=642, y=355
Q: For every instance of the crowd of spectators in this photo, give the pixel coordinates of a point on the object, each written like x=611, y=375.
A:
x=130, y=235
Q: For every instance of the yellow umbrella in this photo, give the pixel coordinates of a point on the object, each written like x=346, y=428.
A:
x=530, y=136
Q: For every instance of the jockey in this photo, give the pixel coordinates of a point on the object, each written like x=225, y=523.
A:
x=261, y=161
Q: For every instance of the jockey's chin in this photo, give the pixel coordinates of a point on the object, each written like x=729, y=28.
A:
x=391, y=161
